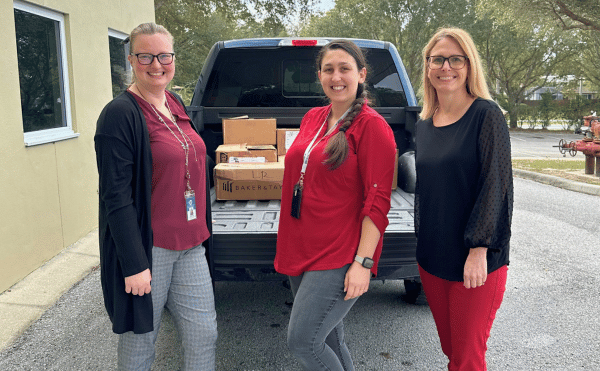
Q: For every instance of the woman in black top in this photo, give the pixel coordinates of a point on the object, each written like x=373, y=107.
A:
x=464, y=197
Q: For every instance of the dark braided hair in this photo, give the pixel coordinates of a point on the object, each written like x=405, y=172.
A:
x=337, y=147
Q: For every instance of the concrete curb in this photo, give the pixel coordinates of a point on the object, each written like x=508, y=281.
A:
x=27, y=300
x=559, y=182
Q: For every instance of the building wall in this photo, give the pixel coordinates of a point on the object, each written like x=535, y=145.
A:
x=48, y=192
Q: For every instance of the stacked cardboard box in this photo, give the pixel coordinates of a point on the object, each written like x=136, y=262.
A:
x=247, y=164
x=285, y=138
x=249, y=131
x=249, y=181
x=244, y=153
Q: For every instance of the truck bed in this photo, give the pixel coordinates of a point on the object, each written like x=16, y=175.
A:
x=245, y=235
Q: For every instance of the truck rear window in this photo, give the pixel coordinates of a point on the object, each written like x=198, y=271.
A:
x=287, y=77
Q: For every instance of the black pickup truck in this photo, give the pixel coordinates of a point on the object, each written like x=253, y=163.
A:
x=277, y=78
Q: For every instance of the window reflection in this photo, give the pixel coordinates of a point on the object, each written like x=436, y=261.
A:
x=40, y=74
x=118, y=65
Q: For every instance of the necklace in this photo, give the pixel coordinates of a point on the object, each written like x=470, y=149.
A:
x=184, y=143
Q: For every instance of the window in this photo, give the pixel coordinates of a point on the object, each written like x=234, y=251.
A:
x=43, y=78
x=287, y=77
x=300, y=79
x=119, y=65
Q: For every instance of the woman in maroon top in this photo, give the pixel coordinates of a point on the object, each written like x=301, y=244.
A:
x=152, y=171
x=335, y=199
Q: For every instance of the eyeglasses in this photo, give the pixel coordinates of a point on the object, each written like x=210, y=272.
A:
x=163, y=58
x=456, y=62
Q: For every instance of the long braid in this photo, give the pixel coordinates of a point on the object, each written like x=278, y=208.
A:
x=337, y=147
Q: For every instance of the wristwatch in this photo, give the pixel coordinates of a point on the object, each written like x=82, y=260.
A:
x=365, y=262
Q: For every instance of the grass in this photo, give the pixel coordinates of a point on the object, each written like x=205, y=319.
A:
x=537, y=130
x=569, y=169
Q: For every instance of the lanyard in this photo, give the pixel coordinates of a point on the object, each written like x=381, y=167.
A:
x=312, y=144
x=184, y=143
x=188, y=195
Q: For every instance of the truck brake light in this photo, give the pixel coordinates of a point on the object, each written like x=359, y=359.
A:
x=304, y=42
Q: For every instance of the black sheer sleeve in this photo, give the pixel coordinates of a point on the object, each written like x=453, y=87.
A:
x=490, y=220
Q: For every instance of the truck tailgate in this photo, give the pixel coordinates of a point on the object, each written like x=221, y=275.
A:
x=245, y=235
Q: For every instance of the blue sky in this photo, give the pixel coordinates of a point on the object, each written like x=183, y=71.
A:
x=326, y=4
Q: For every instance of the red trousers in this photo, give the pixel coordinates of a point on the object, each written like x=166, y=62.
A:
x=464, y=317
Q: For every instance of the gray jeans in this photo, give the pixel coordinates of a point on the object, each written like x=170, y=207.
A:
x=316, y=330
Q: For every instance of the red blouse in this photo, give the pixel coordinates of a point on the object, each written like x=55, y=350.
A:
x=335, y=202
x=170, y=226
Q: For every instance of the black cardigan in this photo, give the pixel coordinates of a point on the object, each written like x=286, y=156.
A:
x=124, y=163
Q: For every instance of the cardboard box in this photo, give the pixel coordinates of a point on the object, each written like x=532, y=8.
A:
x=249, y=131
x=285, y=138
x=395, y=180
x=233, y=153
x=249, y=181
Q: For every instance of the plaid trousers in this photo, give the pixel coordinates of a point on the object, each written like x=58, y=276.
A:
x=181, y=282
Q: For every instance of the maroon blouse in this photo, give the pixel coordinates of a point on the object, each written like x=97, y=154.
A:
x=171, y=228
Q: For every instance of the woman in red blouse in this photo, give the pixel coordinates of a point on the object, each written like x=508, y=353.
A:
x=335, y=200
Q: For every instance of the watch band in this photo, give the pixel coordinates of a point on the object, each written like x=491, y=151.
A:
x=365, y=262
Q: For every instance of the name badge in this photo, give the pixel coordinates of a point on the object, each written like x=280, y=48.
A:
x=190, y=205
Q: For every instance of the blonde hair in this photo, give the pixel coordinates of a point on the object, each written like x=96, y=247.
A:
x=476, y=84
x=149, y=28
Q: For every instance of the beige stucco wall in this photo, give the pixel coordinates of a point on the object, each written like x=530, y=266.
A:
x=48, y=197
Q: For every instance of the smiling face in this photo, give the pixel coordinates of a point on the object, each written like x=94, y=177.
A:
x=339, y=75
x=155, y=76
x=447, y=80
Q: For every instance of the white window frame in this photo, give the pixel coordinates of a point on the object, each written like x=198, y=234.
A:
x=66, y=132
x=117, y=34
x=122, y=36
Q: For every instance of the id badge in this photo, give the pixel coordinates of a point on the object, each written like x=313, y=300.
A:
x=296, y=201
x=190, y=205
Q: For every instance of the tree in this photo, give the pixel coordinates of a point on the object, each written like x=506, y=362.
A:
x=546, y=108
x=567, y=14
x=408, y=24
x=575, y=109
x=574, y=24
x=520, y=57
x=589, y=58
x=197, y=25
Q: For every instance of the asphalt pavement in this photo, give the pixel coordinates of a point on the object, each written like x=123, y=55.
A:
x=25, y=302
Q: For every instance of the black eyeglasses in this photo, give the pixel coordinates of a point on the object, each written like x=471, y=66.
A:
x=456, y=62
x=163, y=58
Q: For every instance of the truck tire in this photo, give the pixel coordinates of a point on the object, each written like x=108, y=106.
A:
x=414, y=293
